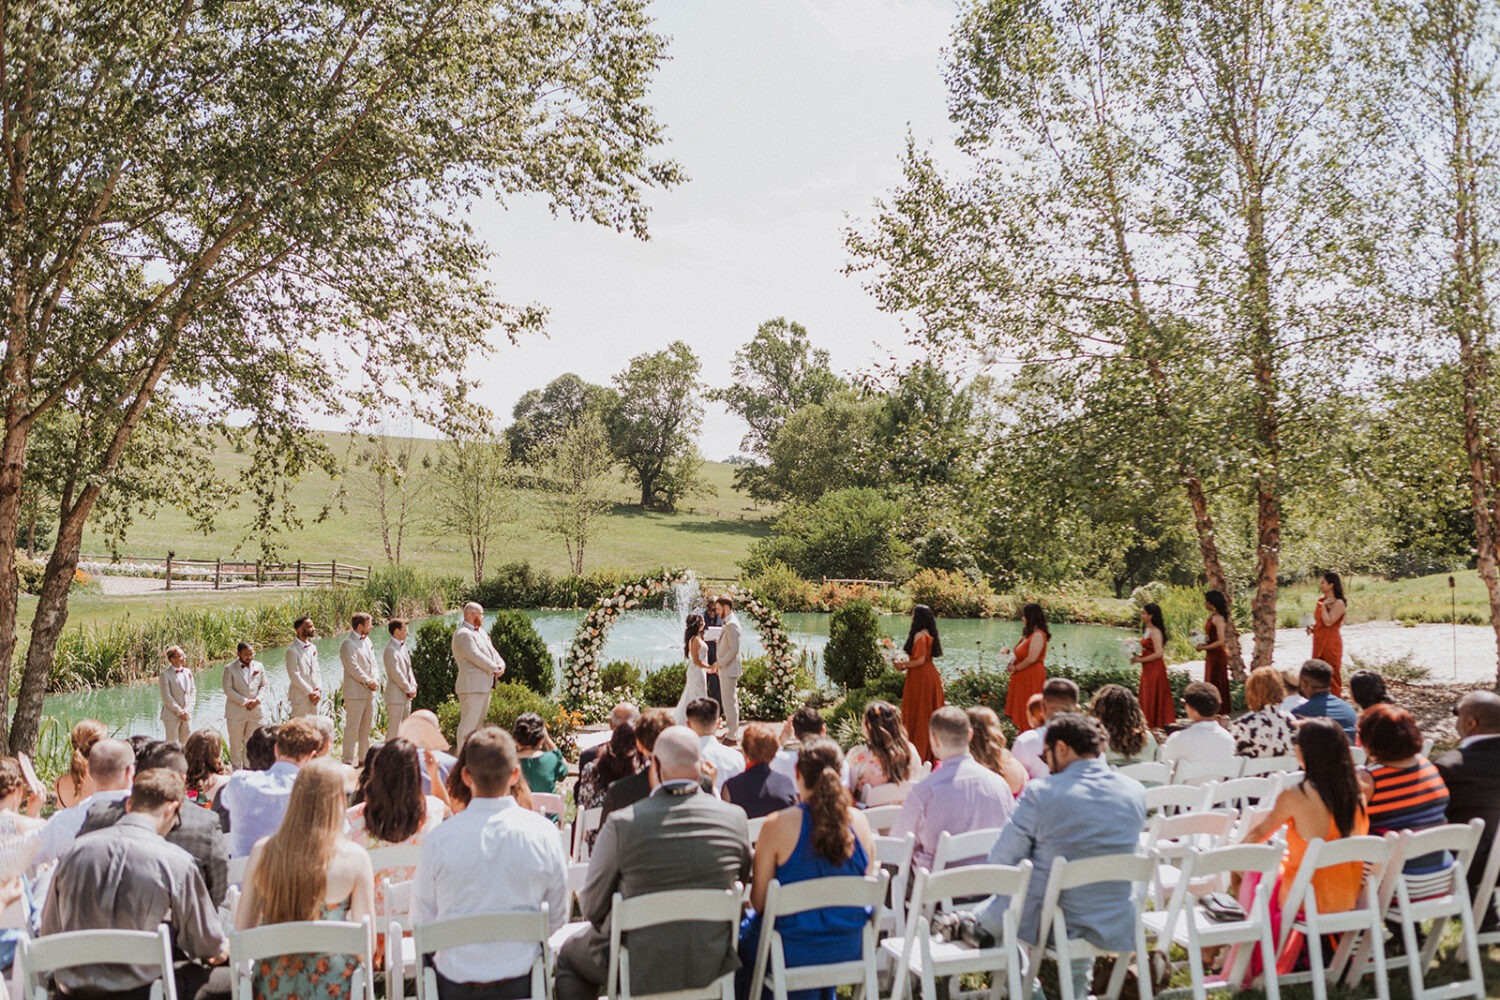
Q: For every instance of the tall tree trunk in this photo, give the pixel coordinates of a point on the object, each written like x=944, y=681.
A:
x=1267, y=419
x=12, y=470
x=46, y=627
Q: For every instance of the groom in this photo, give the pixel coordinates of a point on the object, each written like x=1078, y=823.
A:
x=727, y=660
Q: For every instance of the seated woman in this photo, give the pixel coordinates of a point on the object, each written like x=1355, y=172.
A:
x=1130, y=738
x=307, y=870
x=1326, y=804
x=988, y=746
x=20, y=820
x=1404, y=790
x=75, y=785
x=1267, y=730
x=822, y=836
x=619, y=758
x=882, y=770
x=393, y=809
x=541, y=762
x=757, y=789
x=1367, y=689
x=207, y=771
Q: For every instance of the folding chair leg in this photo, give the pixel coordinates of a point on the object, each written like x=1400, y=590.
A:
x=1314, y=961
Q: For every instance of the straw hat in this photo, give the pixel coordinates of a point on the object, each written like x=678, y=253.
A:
x=421, y=728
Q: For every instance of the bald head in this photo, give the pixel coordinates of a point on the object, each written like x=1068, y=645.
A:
x=622, y=713
x=677, y=754
x=112, y=765
x=473, y=613
x=1478, y=714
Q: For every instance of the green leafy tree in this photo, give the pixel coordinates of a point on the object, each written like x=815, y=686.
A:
x=652, y=428
x=474, y=494
x=390, y=483
x=432, y=663
x=542, y=416
x=822, y=446
x=852, y=655
x=524, y=651
x=580, y=472
x=845, y=534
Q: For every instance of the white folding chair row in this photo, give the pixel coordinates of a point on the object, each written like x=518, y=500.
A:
x=1256, y=766
x=237, y=869
x=550, y=804
x=578, y=873
x=393, y=922
x=1484, y=896
x=1173, y=799
x=317, y=937
x=1171, y=839
x=954, y=848
x=1148, y=773
x=1067, y=876
x=528, y=927
x=847, y=891
x=918, y=955
x=395, y=856
x=894, y=855
x=38, y=958
x=1365, y=921
x=1244, y=793
x=1198, y=772
x=654, y=909
x=882, y=818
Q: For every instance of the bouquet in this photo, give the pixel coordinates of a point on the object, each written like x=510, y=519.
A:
x=1198, y=639
x=1307, y=621
x=1133, y=647
x=890, y=652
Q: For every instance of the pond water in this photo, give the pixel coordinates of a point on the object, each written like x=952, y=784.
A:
x=649, y=638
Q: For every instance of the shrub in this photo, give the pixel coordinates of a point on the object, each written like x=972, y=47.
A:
x=432, y=663
x=664, y=685
x=844, y=721
x=525, y=653
x=516, y=585
x=779, y=585
x=621, y=675
x=832, y=596
x=951, y=594
x=852, y=655
x=845, y=533
x=761, y=698
x=987, y=685
x=402, y=592
x=29, y=573
x=509, y=701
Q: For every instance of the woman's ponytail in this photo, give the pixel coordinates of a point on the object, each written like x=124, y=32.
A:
x=820, y=765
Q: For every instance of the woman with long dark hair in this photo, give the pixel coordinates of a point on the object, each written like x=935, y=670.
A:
x=923, y=692
x=620, y=758
x=207, y=771
x=695, y=649
x=1028, y=665
x=1327, y=629
x=1215, y=645
x=824, y=835
x=1156, y=690
x=882, y=769
x=1326, y=804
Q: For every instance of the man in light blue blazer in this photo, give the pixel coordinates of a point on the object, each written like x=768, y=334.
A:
x=1082, y=810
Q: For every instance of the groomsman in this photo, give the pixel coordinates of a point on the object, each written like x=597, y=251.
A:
x=244, y=689
x=303, y=672
x=178, y=695
x=400, y=682
x=361, y=681
x=479, y=666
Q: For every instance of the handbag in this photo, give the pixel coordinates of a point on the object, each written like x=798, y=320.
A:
x=1222, y=907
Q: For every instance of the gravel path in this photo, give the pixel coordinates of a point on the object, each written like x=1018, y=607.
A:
x=1464, y=655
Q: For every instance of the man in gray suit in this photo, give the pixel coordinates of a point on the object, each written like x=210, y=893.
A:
x=400, y=682
x=361, y=681
x=479, y=666
x=727, y=663
x=676, y=838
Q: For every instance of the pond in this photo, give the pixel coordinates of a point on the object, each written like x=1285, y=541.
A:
x=649, y=638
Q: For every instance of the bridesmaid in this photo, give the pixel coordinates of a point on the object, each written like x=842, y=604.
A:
x=1328, y=626
x=1028, y=665
x=1214, y=648
x=923, y=692
x=1156, y=692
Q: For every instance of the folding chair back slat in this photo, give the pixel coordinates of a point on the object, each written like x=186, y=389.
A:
x=1068, y=875
x=38, y=958
x=1200, y=771
x=1257, y=766
x=395, y=856
x=678, y=906
x=953, y=848
x=1176, y=798
x=918, y=956
x=1148, y=772
x=853, y=891
x=524, y=926
x=1363, y=923
x=316, y=937
x=882, y=818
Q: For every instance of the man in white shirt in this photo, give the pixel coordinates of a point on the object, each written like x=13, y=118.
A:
x=479, y=666
x=400, y=682
x=1058, y=695
x=257, y=800
x=805, y=723
x=960, y=795
x=703, y=719
x=521, y=858
x=1204, y=739
x=361, y=681
x=112, y=767
x=304, y=673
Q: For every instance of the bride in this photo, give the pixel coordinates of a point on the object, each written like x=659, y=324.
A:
x=694, y=648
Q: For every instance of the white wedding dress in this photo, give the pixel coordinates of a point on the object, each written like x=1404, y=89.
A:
x=697, y=682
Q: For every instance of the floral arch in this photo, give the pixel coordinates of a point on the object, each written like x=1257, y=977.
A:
x=581, y=690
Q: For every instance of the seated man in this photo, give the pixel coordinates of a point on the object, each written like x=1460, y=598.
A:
x=524, y=867
x=1472, y=774
x=760, y=791
x=1316, y=684
x=703, y=719
x=630, y=790
x=804, y=724
x=1204, y=738
x=256, y=800
x=1058, y=695
x=126, y=877
x=195, y=830
x=112, y=766
x=677, y=838
x=960, y=795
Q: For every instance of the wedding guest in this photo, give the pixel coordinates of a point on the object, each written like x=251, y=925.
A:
x=1327, y=629
x=824, y=836
x=759, y=790
x=257, y=800
x=304, y=672
x=541, y=762
x=1316, y=680
x=480, y=665
x=524, y=865
x=112, y=769
x=676, y=838
x=882, y=769
x=804, y=724
x=728, y=668
x=1036, y=712
x=260, y=748
x=1156, y=689
x=422, y=730
x=1203, y=739
x=361, y=683
x=73, y=786
x=619, y=758
x=1028, y=665
x=1291, y=686
x=179, y=694
x=1367, y=688
x=1472, y=776
x=20, y=822
x=1403, y=791
x=632, y=788
x=618, y=716
x=960, y=795
x=458, y=793
x=307, y=870
x=393, y=811
x=400, y=682
x=922, y=692
x=206, y=773
x=1267, y=730
x=244, y=687
x=1129, y=739
x=1059, y=695
x=703, y=719
x=1215, y=644
x=988, y=746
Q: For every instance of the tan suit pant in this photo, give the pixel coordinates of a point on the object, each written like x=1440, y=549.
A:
x=358, y=717
x=240, y=729
x=395, y=714
x=302, y=705
x=471, y=712
x=177, y=729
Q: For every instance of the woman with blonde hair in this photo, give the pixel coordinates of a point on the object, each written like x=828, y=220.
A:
x=1266, y=730
x=988, y=746
x=76, y=785
x=308, y=870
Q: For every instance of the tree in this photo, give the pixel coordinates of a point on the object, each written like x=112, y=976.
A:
x=851, y=533
x=652, y=427
x=852, y=655
x=777, y=373
x=823, y=446
x=258, y=207
x=391, y=482
x=524, y=651
x=580, y=471
x=474, y=494
x=542, y=416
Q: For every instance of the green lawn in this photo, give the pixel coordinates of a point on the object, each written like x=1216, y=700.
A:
x=1420, y=599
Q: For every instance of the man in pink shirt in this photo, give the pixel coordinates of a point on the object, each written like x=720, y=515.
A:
x=960, y=795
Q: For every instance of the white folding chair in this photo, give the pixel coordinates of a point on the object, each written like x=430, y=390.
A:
x=953, y=849
x=1300, y=913
x=1069, y=876
x=756, y=825
x=894, y=855
x=523, y=927
x=1484, y=896
x=237, y=868
x=1173, y=799
x=38, y=958
x=1359, y=754
x=1198, y=772
x=1254, y=767
x=865, y=892
x=1172, y=838
x=1184, y=922
x=882, y=818
x=654, y=909
x=1147, y=772
x=1243, y=793
x=578, y=873
x=304, y=937
x=587, y=821
x=393, y=922
x=396, y=856
x=549, y=804
x=916, y=953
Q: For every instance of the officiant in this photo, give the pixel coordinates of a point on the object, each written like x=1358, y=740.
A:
x=712, y=621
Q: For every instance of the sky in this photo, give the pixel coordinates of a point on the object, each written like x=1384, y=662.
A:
x=789, y=118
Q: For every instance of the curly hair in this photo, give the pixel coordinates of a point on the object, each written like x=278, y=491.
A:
x=204, y=750
x=888, y=740
x=1118, y=711
x=820, y=764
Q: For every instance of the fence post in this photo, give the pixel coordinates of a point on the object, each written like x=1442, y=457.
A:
x=169, y=571
x=257, y=573
x=218, y=572
x=299, y=572
x=333, y=573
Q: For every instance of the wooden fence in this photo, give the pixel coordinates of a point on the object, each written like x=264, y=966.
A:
x=231, y=574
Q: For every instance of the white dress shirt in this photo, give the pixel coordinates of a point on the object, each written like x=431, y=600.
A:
x=785, y=762
x=256, y=801
x=1206, y=740
x=521, y=860
x=727, y=760
x=1028, y=750
x=62, y=829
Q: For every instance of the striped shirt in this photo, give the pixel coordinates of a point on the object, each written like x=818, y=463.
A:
x=1410, y=798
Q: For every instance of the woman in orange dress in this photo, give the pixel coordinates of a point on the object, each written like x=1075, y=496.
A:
x=923, y=692
x=1328, y=627
x=1028, y=665
x=1156, y=691
x=1214, y=647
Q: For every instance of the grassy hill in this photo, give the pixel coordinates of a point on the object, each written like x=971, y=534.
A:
x=708, y=533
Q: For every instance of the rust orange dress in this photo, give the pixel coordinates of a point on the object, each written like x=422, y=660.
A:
x=1216, y=665
x=1328, y=644
x=921, y=695
x=1156, y=691
x=1025, y=683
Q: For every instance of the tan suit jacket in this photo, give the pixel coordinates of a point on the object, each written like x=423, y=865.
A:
x=357, y=653
x=179, y=692
x=477, y=660
x=238, y=690
x=303, y=672
x=399, y=679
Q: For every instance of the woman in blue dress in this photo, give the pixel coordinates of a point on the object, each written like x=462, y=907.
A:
x=824, y=835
